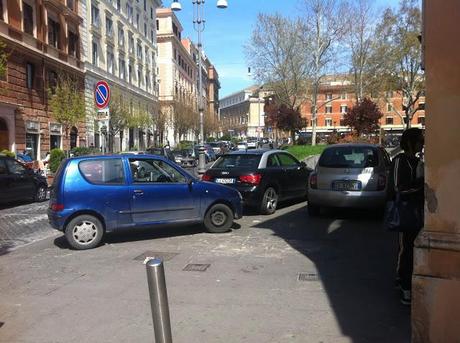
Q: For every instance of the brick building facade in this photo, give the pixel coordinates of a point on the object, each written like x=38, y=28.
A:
x=42, y=42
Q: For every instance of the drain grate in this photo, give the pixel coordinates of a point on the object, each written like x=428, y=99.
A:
x=196, y=267
x=308, y=277
x=164, y=256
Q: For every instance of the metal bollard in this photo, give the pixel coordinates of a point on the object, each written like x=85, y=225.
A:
x=159, y=301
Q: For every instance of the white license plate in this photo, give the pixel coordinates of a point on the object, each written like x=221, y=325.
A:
x=346, y=186
x=225, y=181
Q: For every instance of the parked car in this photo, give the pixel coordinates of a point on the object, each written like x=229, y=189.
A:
x=17, y=182
x=263, y=177
x=209, y=152
x=177, y=156
x=241, y=146
x=94, y=195
x=215, y=146
x=252, y=143
x=188, y=159
x=165, y=152
x=349, y=175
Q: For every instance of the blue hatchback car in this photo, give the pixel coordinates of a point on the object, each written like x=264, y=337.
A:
x=93, y=195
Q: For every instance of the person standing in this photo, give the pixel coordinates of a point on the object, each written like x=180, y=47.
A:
x=408, y=184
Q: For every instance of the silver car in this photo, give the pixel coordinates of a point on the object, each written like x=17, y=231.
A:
x=349, y=175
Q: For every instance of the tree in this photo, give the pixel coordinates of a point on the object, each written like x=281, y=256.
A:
x=322, y=28
x=3, y=59
x=119, y=118
x=284, y=118
x=360, y=41
x=277, y=54
x=364, y=117
x=401, y=55
x=67, y=102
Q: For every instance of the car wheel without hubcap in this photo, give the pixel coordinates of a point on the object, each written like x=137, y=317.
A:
x=40, y=194
x=218, y=219
x=269, y=201
x=84, y=232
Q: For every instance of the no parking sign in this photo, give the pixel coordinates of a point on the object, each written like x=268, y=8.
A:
x=102, y=94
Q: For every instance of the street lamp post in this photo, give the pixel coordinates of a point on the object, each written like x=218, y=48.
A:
x=199, y=25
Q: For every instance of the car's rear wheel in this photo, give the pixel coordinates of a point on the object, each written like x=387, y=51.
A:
x=84, y=232
x=269, y=201
x=313, y=210
x=40, y=193
x=218, y=219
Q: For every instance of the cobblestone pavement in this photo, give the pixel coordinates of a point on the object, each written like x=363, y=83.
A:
x=22, y=224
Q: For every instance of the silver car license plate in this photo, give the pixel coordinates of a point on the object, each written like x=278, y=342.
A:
x=346, y=185
x=225, y=181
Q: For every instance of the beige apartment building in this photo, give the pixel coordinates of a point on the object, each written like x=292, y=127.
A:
x=120, y=43
x=241, y=114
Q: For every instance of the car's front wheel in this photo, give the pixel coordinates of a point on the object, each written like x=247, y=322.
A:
x=269, y=201
x=218, y=219
x=84, y=232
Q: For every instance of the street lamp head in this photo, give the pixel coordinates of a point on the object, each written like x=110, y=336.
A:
x=222, y=4
x=176, y=6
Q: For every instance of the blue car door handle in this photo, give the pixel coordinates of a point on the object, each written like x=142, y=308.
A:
x=138, y=192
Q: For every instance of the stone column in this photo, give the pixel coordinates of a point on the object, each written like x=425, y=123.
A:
x=436, y=281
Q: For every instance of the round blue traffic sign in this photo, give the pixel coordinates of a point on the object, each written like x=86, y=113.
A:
x=102, y=94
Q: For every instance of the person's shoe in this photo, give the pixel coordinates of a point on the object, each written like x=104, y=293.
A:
x=405, y=297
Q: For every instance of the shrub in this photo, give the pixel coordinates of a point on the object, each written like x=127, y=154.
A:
x=82, y=151
x=56, y=156
x=8, y=153
x=184, y=145
x=333, y=138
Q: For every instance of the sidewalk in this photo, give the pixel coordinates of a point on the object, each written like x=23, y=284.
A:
x=251, y=291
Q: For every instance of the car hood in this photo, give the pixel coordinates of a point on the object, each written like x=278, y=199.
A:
x=216, y=187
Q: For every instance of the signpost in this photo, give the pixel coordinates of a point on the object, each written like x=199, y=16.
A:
x=102, y=99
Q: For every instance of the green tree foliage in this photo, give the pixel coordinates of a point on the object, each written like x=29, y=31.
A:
x=56, y=157
x=3, y=59
x=364, y=117
x=67, y=102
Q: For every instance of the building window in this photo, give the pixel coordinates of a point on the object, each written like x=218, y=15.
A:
x=147, y=82
x=389, y=120
x=52, y=81
x=139, y=77
x=30, y=75
x=343, y=109
x=28, y=18
x=328, y=109
x=108, y=27
x=1, y=11
x=421, y=121
x=110, y=62
x=137, y=21
x=329, y=96
x=70, y=4
x=145, y=5
x=130, y=73
x=152, y=36
x=53, y=33
x=94, y=15
x=73, y=43
x=118, y=4
x=95, y=54
x=328, y=122
x=389, y=107
x=158, y=24
x=139, y=51
x=129, y=13
x=151, y=12
x=145, y=29
x=343, y=96
x=131, y=43
x=121, y=68
x=121, y=36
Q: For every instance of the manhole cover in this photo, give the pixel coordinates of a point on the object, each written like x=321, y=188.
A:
x=194, y=267
x=165, y=256
x=308, y=277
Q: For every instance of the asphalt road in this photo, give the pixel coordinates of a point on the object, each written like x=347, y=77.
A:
x=279, y=278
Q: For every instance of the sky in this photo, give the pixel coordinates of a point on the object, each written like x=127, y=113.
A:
x=228, y=30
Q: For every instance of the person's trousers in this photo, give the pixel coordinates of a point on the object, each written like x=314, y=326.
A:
x=406, y=258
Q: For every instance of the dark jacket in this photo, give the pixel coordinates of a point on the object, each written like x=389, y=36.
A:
x=404, y=179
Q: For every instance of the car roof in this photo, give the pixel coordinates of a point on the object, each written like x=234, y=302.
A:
x=127, y=155
x=253, y=152
x=350, y=145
